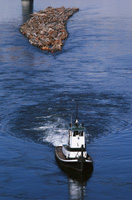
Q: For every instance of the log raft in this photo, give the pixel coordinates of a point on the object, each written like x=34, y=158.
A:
x=46, y=29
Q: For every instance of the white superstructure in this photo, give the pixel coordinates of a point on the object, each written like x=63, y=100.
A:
x=76, y=142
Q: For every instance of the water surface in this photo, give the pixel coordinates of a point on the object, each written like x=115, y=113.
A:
x=38, y=93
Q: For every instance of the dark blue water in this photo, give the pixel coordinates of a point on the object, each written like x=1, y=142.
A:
x=38, y=93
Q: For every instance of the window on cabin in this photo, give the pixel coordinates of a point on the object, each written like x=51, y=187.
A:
x=80, y=133
x=75, y=133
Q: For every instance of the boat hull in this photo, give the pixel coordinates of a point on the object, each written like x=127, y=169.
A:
x=74, y=166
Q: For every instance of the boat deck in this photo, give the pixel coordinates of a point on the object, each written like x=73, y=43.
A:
x=60, y=153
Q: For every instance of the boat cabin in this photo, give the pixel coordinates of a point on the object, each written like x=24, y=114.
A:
x=76, y=137
x=76, y=141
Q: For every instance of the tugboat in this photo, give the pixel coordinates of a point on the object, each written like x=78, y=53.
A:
x=73, y=157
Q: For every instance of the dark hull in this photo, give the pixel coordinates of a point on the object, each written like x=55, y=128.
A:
x=79, y=167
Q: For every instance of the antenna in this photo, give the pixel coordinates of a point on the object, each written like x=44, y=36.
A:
x=71, y=120
x=77, y=110
x=76, y=121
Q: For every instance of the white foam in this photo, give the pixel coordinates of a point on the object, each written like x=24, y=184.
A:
x=43, y=117
x=57, y=138
x=54, y=132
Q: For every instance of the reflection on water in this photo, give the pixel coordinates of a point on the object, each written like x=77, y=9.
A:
x=76, y=189
x=27, y=8
x=36, y=90
x=77, y=185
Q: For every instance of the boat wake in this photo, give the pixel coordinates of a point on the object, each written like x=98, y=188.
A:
x=48, y=128
x=54, y=132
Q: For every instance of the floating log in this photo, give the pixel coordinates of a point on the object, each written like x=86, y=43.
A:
x=47, y=28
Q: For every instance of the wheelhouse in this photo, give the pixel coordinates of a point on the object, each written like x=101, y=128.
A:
x=76, y=136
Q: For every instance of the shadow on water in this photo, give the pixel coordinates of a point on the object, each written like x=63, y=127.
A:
x=27, y=8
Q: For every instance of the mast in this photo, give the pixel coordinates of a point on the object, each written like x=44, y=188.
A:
x=71, y=121
x=76, y=121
